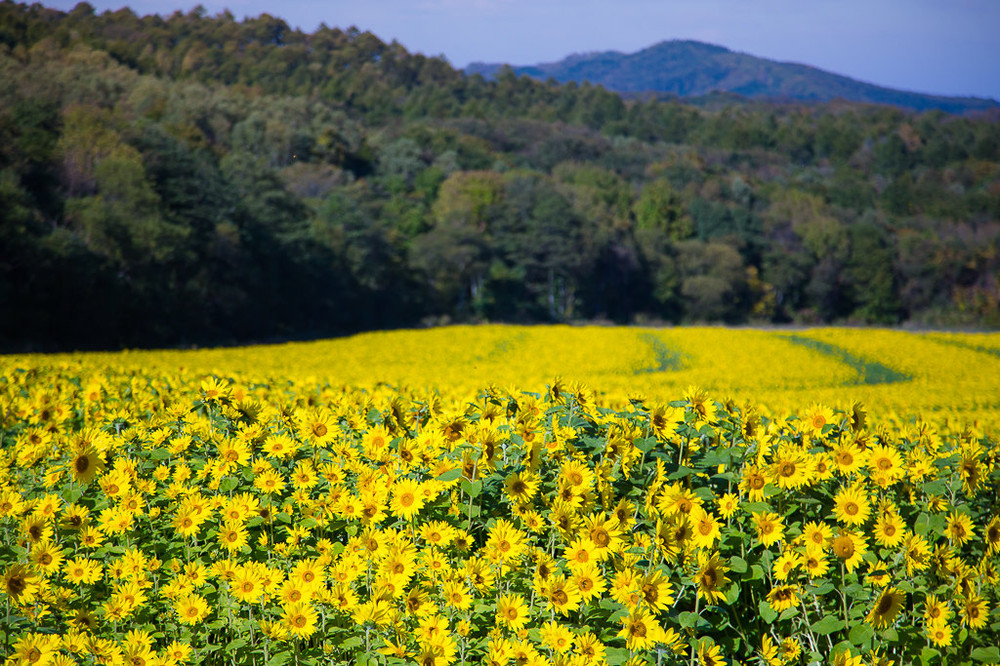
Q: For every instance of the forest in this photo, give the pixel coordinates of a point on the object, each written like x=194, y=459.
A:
x=198, y=180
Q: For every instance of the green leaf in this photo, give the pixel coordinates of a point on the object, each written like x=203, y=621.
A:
x=279, y=659
x=681, y=472
x=616, y=656
x=827, y=625
x=645, y=445
x=860, y=634
x=987, y=654
x=737, y=564
x=159, y=454
x=352, y=642
x=929, y=656
x=235, y=644
x=688, y=619
x=450, y=475
x=228, y=484
x=472, y=488
x=890, y=635
x=767, y=613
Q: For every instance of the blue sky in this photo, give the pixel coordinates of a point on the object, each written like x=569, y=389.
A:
x=945, y=47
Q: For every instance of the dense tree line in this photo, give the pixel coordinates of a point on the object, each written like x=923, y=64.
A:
x=196, y=180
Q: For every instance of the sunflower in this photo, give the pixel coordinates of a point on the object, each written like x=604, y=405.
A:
x=698, y=402
x=20, y=584
x=677, y=500
x=437, y=533
x=786, y=564
x=753, y=483
x=565, y=519
x=34, y=648
x=656, y=590
x=815, y=563
x=589, y=580
x=640, y=629
x=248, y=582
x=310, y=573
x=505, y=542
x=705, y=528
x=848, y=457
x=562, y=594
x=232, y=451
x=604, y=532
x=769, y=651
x=407, y=499
x=577, y=474
x=959, y=528
x=37, y=529
x=232, y=536
x=886, y=465
x=711, y=577
x=47, y=557
x=817, y=535
x=589, y=646
x=938, y=633
x=193, y=609
x=851, y=506
x=770, y=527
x=917, y=553
x=791, y=468
x=512, y=611
x=728, y=505
x=936, y=610
x=317, y=427
x=280, y=445
x=789, y=650
x=816, y=419
x=971, y=470
x=86, y=463
x=375, y=442
x=82, y=570
x=663, y=420
x=521, y=487
x=556, y=637
x=849, y=547
x=974, y=611
x=299, y=619
x=215, y=390
x=886, y=608
x=624, y=512
x=993, y=536
x=269, y=481
x=580, y=552
x=889, y=529
x=710, y=654
x=782, y=597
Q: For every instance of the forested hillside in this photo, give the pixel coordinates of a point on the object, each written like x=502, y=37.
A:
x=199, y=180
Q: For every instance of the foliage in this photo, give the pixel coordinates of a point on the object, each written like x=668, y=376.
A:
x=164, y=181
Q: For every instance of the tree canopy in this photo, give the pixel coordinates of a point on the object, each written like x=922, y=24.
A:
x=198, y=180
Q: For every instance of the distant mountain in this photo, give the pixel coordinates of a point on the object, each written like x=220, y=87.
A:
x=688, y=68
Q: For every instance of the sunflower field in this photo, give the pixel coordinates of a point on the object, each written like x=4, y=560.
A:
x=507, y=495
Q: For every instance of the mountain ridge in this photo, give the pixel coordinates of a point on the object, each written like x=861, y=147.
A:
x=690, y=68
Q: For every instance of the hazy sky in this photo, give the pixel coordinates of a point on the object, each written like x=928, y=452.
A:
x=946, y=47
